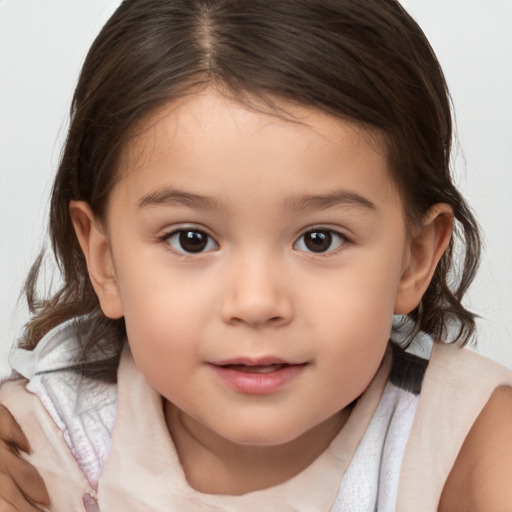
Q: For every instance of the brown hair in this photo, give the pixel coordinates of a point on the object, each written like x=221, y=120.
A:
x=364, y=61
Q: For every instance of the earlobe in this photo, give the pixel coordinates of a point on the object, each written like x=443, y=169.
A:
x=426, y=247
x=96, y=248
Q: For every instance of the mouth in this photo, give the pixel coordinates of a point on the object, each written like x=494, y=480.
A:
x=257, y=376
x=269, y=368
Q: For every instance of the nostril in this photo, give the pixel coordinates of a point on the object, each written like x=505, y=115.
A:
x=254, y=304
x=256, y=321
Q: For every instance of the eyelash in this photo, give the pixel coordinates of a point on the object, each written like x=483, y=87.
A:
x=332, y=236
x=328, y=235
x=168, y=237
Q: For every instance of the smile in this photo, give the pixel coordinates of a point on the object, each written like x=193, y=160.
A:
x=257, y=377
x=256, y=368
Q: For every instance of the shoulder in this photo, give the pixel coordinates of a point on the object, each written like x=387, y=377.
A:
x=480, y=477
x=465, y=362
x=460, y=381
x=463, y=395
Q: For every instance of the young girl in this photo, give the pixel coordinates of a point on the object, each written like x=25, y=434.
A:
x=249, y=192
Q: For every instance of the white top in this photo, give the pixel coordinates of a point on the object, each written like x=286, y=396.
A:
x=112, y=442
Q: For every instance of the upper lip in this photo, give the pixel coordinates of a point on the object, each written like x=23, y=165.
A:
x=249, y=361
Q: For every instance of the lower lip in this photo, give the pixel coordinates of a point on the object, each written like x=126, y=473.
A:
x=258, y=383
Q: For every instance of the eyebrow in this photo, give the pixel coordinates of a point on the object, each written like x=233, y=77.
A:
x=176, y=197
x=323, y=201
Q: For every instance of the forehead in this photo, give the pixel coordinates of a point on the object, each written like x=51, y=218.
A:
x=207, y=135
x=188, y=117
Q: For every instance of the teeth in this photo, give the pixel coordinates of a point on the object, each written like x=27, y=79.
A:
x=256, y=369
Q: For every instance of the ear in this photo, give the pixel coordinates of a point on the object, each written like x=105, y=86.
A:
x=96, y=248
x=426, y=246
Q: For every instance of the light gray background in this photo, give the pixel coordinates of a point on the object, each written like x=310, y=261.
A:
x=42, y=46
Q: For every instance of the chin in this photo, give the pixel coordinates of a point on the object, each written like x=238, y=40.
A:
x=259, y=435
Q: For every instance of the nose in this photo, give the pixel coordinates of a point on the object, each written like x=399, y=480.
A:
x=257, y=294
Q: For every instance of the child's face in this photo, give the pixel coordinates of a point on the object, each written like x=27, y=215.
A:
x=257, y=262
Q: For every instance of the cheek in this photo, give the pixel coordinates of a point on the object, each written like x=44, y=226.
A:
x=353, y=314
x=162, y=319
x=159, y=295
x=163, y=341
x=361, y=294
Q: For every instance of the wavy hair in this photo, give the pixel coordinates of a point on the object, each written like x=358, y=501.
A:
x=367, y=62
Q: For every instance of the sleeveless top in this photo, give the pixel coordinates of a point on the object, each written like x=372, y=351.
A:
x=110, y=440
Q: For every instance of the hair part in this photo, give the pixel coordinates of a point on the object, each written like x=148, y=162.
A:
x=366, y=62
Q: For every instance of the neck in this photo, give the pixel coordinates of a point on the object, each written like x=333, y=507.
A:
x=215, y=465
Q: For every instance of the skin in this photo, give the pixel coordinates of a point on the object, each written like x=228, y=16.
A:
x=254, y=184
x=20, y=484
x=258, y=291
x=478, y=481
x=480, y=477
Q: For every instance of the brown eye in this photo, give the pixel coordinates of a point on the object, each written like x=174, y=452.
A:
x=191, y=241
x=320, y=240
